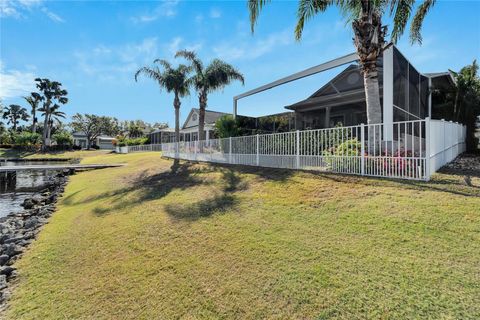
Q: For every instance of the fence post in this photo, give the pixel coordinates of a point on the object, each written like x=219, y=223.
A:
x=258, y=151
x=362, y=150
x=298, y=149
x=427, y=148
x=195, y=146
x=230, y=150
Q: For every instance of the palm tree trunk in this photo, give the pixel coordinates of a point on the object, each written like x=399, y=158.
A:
x=176, y=105
x=34, y=122
x=202, y=103
x=369, y=41
x=14, y=126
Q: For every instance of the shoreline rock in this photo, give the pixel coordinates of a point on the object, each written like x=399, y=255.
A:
x=19, y=229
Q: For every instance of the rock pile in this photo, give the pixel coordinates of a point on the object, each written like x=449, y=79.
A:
x=18, y=230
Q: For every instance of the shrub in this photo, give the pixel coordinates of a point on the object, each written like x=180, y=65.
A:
x=26, y=138
x=342, y=157
x=136, y=141
x=226, y=126
x=63, y=138
x=5, y=138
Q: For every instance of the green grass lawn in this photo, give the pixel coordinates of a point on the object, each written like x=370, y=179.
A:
x=213, y=242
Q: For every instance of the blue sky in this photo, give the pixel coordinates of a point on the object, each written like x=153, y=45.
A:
x=95, y=47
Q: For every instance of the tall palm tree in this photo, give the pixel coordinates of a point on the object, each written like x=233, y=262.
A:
x=14, y=113
x=173, y=80
x=33, y=100
x=213, y=77
x=53, y=97
x=369, y=34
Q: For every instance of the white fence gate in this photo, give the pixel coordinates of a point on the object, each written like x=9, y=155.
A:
x=406, y=150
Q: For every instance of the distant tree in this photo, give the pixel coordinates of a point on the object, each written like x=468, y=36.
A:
x=208, y=79
x=93, y=126
x=13, y=114
x=171, y=79
x=33, y=100
x=466, y=105
x=53, y=96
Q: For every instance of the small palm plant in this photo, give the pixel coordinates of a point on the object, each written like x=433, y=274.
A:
x=173, y=80
x=208, y=79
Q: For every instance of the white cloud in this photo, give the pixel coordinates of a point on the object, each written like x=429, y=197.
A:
x=177, y=44
x=168, y=8
x=54, y=17
x=15, y=83
x=19, y=8
x=116, y=63
x=199, y=18
x=215, y=13
x=250, y=49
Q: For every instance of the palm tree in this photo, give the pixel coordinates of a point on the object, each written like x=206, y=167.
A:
x=53, y=96
x=369, y=34
x=213, y=77
x=173, y=80
x=55, y=115
x=33, y=100
x=14, y=113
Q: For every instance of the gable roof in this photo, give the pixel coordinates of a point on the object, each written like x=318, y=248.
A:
x=345, y=87
x=210, y=117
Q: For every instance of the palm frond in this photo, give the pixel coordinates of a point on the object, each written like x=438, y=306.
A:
x=416, y=26
x=219, y=74
x=164, y=63
x=254, y=7
x=192, y=57
x=152, y=73
x=401, y=11
x=306, y=10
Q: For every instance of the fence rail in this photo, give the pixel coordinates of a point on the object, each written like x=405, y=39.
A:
x=144, y=147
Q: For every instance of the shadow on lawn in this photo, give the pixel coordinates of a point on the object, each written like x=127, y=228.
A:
x=156, y=186
x=179, y=177
x=219, y=203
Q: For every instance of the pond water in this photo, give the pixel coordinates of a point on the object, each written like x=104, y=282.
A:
x=22, y=186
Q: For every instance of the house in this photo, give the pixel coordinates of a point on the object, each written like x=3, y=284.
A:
x=102, y=141
x=405, y=93
x=342, y=99
x=279, y=122
x=189, y=129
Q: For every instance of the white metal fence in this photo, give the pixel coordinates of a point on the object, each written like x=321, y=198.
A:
x=397, y=150
x=144, y=147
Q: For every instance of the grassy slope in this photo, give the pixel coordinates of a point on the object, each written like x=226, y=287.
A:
x=221, y=242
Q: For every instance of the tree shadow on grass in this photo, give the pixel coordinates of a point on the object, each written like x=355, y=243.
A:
x=150, y=187
x=218, y=204
x=272, y=174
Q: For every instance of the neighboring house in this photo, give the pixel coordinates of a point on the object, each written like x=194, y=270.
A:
x=279, y=122
x=189, y=130
x=102, y=141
